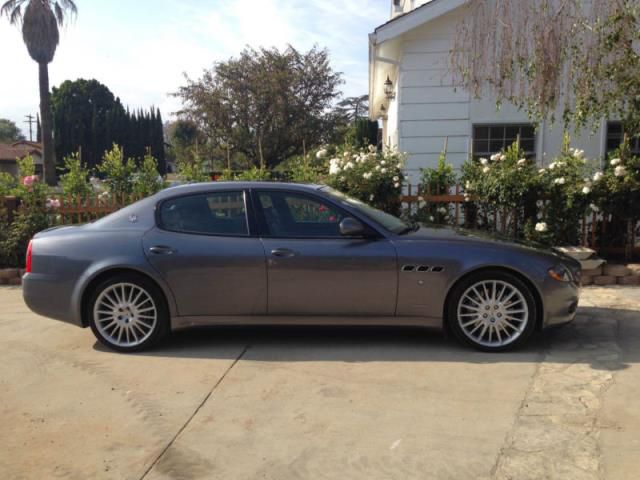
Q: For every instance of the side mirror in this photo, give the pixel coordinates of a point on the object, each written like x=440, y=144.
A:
x=350, y=227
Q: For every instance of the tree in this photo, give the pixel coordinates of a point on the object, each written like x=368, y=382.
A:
x=9, y=131
x=265, y=104
x=353, y=108
x=40, y=20
x=89, y=117
x=544, y=54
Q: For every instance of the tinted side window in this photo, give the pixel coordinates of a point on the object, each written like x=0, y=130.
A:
x=219, y=213
x=293, y=215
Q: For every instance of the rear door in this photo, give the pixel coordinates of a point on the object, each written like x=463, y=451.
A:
x=203, y=247
x=313, y=269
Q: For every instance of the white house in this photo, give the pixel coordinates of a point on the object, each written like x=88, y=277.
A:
x=412, y=51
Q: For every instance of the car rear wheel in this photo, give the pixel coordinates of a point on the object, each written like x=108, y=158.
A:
x=492, y=311
x=128, y=313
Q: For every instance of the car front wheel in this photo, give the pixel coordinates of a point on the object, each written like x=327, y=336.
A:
x=128, y=313
x=492, y=311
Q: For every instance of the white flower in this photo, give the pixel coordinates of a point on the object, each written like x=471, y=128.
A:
x=367, y=175
x=399, y=166
x=346, y=154
x=397, y=185
x=467, y=197
x=594, y=207
x=396, y=179
x=586, y=190
x=486, y=170
x=372, y=148
x=321, y=154
x=578, y=154
x=494, y=158
x=431, y=219
x=442, y=210
x=559, y=181
x=334, y=169
x=467, y=185
x=383, y=162
x=349, y=166
x=503, y=157
x=484, y=161
x=421, y=204
x=522, y=161
x=615, y=161
x=620, y=171
x=371, y=197
x=383, y=170
x=541, y=227
x=542, y=170
x=552, y=166
x=598, y=176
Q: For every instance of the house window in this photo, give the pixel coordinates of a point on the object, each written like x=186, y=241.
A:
x=614, y=138
x=490, y=139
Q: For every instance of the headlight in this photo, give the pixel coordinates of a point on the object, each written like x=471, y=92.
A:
x=561, y=273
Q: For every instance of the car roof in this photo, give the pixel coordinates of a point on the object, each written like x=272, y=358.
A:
x=240, y=185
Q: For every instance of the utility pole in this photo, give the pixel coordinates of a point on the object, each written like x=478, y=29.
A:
x=30, y=120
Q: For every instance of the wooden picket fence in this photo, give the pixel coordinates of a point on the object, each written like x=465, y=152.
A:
x=76, y=210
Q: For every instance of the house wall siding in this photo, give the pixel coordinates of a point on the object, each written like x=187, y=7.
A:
x=430, y=108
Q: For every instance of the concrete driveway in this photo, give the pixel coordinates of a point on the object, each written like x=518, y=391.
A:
x=316, y=403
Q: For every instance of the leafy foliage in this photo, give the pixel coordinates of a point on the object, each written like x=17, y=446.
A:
x=89, y=118
x=118, y=173
x=437, y=180
x=9, y=131
x=369, y=175
x=265, y=103
x=74, y=182
x=147, y=180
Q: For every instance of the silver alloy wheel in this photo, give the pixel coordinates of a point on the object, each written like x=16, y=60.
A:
x=493, y=313
x=125, y=314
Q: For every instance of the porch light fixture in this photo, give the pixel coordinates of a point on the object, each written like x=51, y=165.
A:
x=383, y=112
x=388, y=89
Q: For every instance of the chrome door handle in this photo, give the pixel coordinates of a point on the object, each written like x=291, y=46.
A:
x=283, y=252
x=162, y=250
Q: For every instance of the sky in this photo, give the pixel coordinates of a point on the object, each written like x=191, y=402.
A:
x=141, y=49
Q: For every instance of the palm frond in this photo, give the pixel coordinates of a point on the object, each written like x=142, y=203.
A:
x=12, y=9
x=62, y=9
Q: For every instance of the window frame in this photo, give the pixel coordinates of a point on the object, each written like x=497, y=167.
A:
x=635, y=141
x=486, y=154
x=263, y=228
x=248, y=220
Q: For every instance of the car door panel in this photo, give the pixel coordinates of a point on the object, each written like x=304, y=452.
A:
x=203, y=250
x=321, y=272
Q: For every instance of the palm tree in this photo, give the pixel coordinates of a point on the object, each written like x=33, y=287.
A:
x=40, y=20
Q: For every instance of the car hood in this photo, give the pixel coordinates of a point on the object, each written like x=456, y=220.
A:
x=482, y=238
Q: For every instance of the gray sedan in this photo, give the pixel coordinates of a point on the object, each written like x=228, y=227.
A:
x=271, y=253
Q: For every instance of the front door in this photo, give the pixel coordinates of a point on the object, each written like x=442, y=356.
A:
x=312, y=269
x=203, y=248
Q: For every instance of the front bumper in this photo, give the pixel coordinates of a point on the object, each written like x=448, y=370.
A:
x=49, y=296
x=560, y=302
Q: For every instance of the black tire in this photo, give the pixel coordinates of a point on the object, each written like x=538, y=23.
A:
x=456, y=322
x=154, y=334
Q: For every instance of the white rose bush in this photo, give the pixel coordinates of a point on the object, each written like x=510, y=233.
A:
x=436, y=181
x=617, y=193
x=370, y=175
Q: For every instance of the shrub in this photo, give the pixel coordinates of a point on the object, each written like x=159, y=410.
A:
x=118, y=173
x=370, y=175
x=617, y=190
x=193, y=168
x=8, y=183
x=565, y=191
x=506, y=182
x=147, y=180
x=75, y=181
x=437, y=180
x=31, y=217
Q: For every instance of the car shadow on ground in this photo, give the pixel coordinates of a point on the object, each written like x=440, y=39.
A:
x=603, y=337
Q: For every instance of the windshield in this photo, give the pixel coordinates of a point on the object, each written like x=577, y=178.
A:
x=388, y=221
